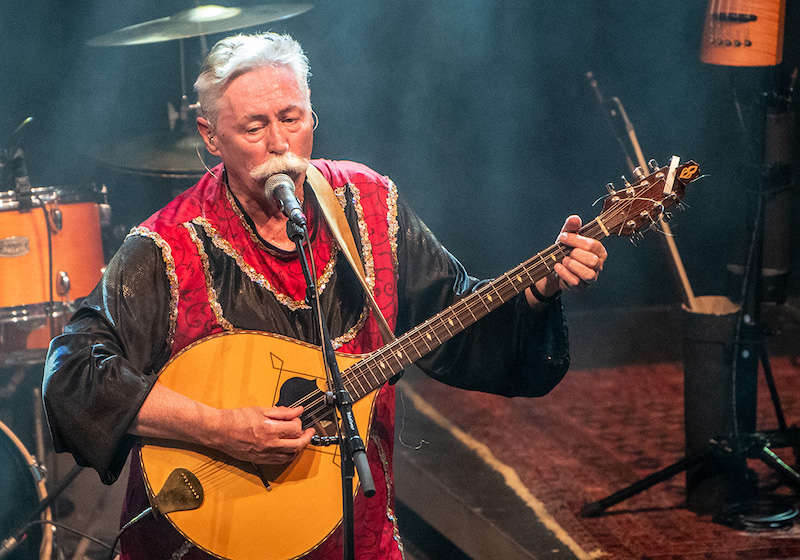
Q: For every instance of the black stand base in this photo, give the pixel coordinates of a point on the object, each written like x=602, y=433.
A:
x=725, y=453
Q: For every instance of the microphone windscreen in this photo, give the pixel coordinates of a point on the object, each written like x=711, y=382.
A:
x=279, y=179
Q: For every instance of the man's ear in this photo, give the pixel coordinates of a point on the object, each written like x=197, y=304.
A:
x=205, y=130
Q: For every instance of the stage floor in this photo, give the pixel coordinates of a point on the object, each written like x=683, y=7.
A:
x=506, y=478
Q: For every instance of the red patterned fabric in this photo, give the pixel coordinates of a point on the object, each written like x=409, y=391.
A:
x=375, y=530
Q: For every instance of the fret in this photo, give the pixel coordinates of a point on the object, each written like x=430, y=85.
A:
x=435, y=334
x=388, y=351
x=486, y=305
x=350, y=387
x=397, y=354
x=544, y=262
x=376, y=378
x=469, y=308
x=427, y=339
x=510, y=282
x=507, y=289
x=385, y=370
x=496, y=292
x=445, y=323
x=357, y=379
x=402, y=353
x=528, y=274
x=416, y=351
x=354, y=387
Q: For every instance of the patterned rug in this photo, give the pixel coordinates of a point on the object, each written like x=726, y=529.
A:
x=602, y=429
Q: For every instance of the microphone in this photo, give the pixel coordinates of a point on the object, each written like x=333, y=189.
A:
x=280, y=188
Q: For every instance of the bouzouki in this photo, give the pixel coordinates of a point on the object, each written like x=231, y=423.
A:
x=242, y=511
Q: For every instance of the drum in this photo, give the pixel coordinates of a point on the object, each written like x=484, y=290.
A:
x=21, y=489
x=51, y=255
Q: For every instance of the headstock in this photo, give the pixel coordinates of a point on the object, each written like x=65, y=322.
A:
x=639, y=205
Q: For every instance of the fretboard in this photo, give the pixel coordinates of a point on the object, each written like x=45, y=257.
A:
x=380, y=366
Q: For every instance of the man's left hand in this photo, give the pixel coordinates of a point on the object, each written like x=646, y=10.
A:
x=581, y=267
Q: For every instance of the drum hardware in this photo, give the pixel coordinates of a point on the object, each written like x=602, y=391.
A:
x=63, y=285
x=57, y=252
x=12, y=160
x=38, y=428
x=51, y=329
x=56, y=220
x=20, y=172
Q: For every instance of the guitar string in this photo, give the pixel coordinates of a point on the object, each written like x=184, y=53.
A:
x=416, y=336
x=219, y=473
x=502, y=289
x=316, y=397
x=216, y=472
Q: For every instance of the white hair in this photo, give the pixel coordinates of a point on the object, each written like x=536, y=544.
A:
x=238, y=54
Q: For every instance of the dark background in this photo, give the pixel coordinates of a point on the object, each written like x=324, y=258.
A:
x=479, y=111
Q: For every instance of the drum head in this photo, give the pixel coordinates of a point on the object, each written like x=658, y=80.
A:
x=61, y=194
x=18, y=495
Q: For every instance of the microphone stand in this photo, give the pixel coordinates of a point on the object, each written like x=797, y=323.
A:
x=351, y=446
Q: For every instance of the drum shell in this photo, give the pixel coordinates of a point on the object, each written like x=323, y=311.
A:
x=77, y=252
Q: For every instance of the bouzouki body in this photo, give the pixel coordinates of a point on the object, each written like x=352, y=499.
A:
x=266, y=513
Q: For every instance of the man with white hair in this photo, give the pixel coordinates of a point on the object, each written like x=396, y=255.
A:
x=217, y=258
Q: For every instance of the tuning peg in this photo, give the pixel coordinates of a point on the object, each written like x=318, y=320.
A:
x=624, y=180
x=639, y=173
x=653, y=165
x=610, y=188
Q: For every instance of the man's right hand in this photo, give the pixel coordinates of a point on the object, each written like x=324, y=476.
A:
x=257, y=435
x=264, y=436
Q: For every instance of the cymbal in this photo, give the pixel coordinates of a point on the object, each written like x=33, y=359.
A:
x=200, y=20
x=158, y=155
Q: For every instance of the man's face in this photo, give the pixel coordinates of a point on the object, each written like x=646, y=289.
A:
x=263, y=116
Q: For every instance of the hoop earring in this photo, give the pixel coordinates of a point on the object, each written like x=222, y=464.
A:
x=316, y=119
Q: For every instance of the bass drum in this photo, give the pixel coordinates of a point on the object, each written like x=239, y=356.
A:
x=21, y=489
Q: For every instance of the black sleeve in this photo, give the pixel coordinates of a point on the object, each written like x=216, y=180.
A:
x=514, y=351
x=99, y=372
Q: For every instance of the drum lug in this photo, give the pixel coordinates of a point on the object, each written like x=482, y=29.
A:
x=56, y=220
x=64, y=283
